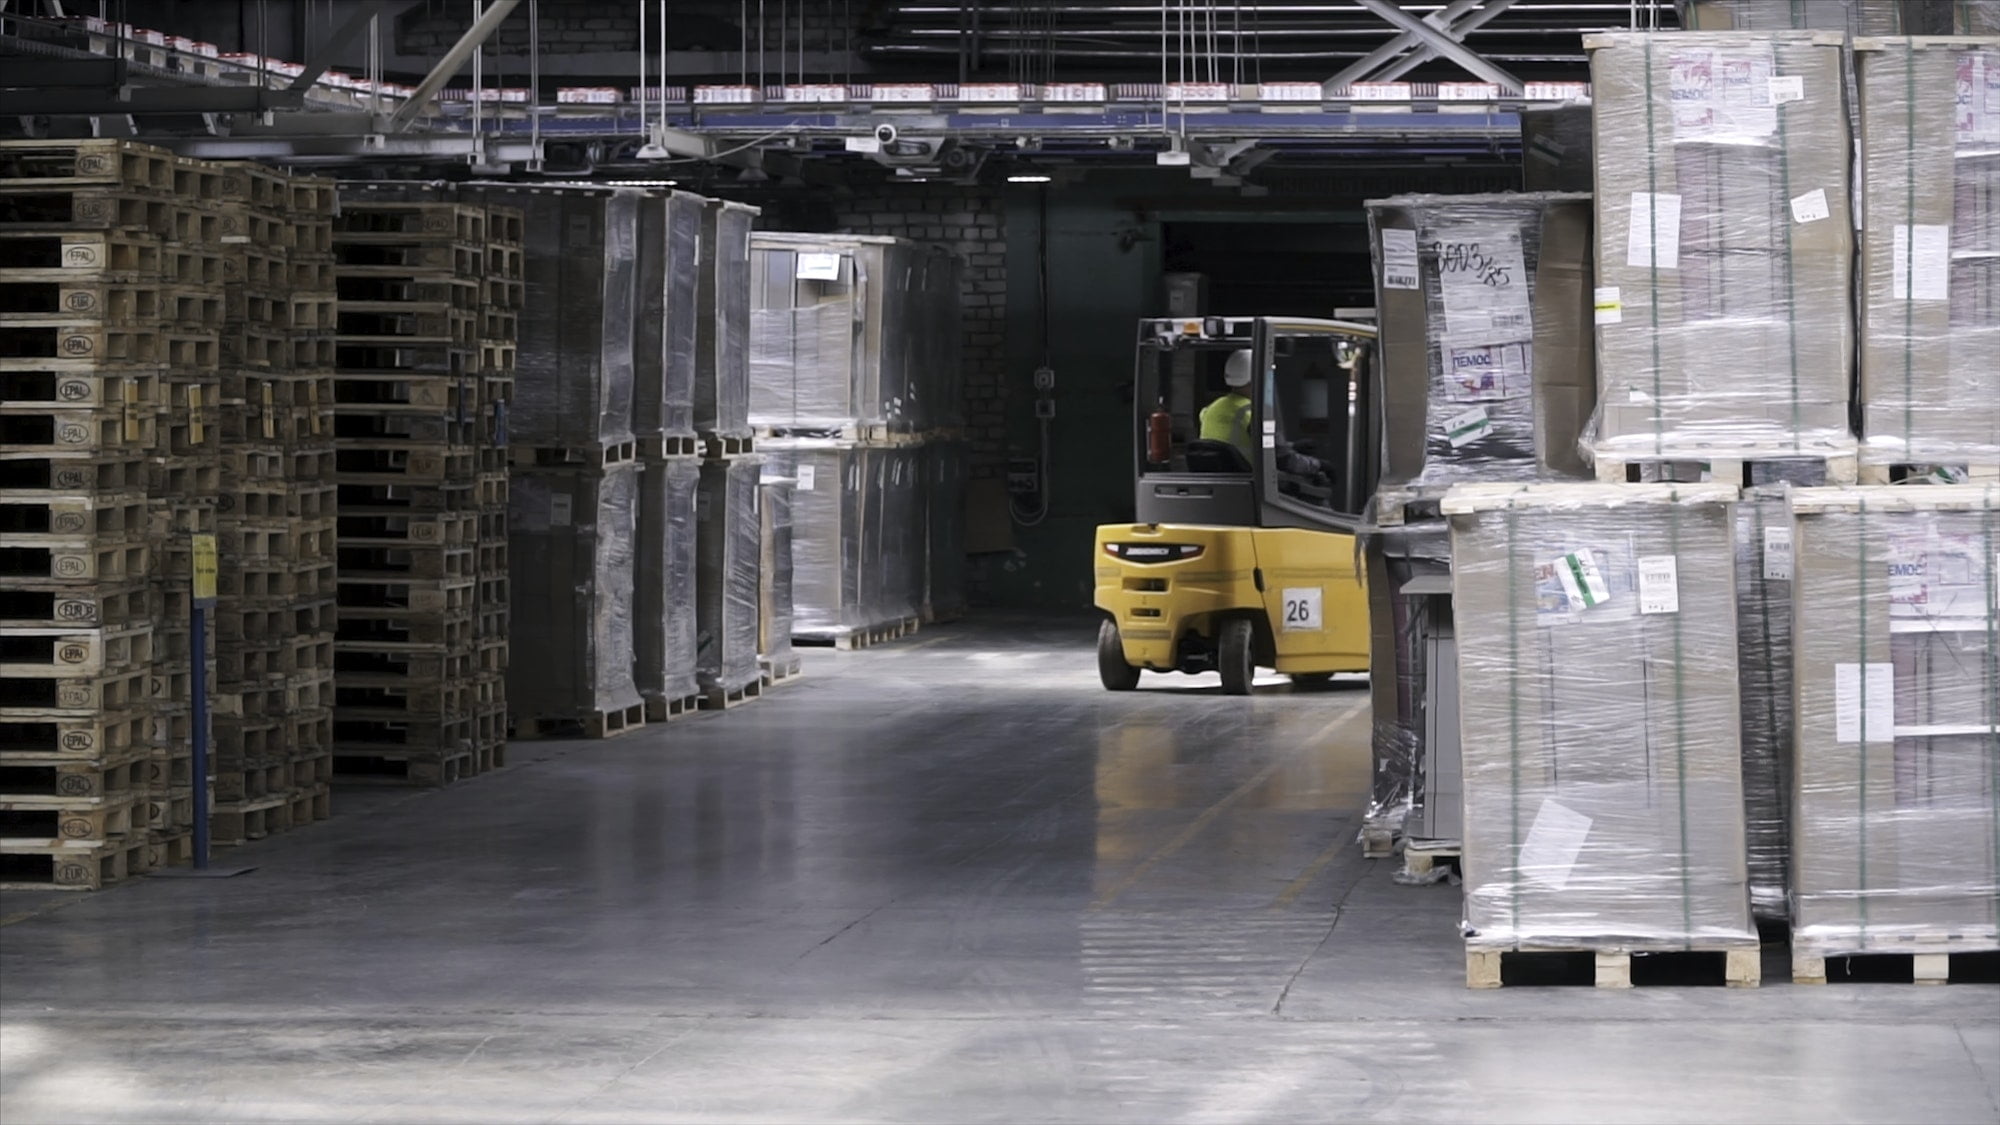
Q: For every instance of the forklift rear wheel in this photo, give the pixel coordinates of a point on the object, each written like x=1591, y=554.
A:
x=1235, y=645
x=1111, y=667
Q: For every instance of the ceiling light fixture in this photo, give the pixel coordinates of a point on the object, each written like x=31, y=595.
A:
x=1034, y=178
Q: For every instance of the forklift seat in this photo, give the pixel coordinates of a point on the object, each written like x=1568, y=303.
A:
x=1205, y=456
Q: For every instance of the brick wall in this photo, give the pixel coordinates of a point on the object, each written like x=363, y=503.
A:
x=973, y=223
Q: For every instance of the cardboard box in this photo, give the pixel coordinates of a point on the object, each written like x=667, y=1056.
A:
x=1897, y=714
x=1599, y=716
x=1725, y=244
x=1483, y=305
x=1930, y=249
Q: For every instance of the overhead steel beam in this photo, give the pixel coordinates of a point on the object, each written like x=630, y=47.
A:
x=145, y=101
x=1368, y=64
x=342, y=36
x=27, y=72
x=481, y=29
x=1443, y=44
x=1458, y=31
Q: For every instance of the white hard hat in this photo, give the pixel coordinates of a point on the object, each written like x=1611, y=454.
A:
x=1236, y=372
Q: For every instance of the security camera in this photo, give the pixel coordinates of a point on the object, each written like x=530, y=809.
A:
x=885, y=133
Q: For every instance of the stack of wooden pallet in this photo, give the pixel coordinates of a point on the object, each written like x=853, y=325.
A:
x=273, y=692
x=407, y=397
x=109, y=308
x=500, y=299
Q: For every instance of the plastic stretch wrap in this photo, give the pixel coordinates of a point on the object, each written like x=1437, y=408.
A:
x=663, y=349
x=948, y=468
x=1930, y=250
x=1397, y=625
x=1974, y=17
x=1725, y=244
x=570, y=545
x=1556, y=148
x=1856, y=17
x=726, y=574
x=573, y=378
x=722, y=323
x=666, y=583
x=1483, y=302
x=1599, y=716
x=829, y=497
x=1898, y=712
x=774, y=597
x=852, y=329
x=894, y=543
x=1764, y=650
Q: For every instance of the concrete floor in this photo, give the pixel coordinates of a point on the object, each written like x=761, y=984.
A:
x=946, y=879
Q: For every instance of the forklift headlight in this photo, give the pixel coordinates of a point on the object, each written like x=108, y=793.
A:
x=1153, y=552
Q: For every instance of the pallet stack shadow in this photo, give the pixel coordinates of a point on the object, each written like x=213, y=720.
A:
x=855, y=394
x=419, y=401
x=151, y=326
x=272, y=691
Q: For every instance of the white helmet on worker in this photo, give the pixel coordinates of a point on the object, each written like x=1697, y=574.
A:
x=1236, y=372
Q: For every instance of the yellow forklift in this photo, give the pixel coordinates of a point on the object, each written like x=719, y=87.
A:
x=1242, y=553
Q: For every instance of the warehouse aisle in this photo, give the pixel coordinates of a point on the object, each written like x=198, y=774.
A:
x=948, y=879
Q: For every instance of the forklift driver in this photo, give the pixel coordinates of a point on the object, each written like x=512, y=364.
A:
x=1227, y=420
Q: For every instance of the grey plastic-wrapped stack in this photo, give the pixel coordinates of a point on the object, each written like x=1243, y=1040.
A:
x=573, y=383
x=774, y=590
x=570, y=540
x=1598, y=708
x=727, y=549
x=665, y=598
x=856, y=396
x=1725, y=245
x=1483, y=304
x=1897, y=603
x=667, y=308
x=1764, y=656
x=1929, y=292
x=722, y=326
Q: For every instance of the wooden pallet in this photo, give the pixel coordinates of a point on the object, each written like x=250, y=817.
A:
x=600, y=724
x=1419, y=859
x=780, y=671
x=1377, y=842
x=1398, y=507
x=33, y=866
x=1738, y=966
x=25, y=775
x=721, y=448
x=658, y=448
x=1929, y=960
x=1731, y=464
x=859, y=638
x=718, y=699
x=562, y=457
x=880, y=434
x=1961, y=472
x=667, y=710
x=415, y=768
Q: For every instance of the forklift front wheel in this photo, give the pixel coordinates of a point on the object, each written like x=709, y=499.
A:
x=1111, y=667
x=1236, y=655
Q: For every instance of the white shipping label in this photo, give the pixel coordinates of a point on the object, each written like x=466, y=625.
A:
x=559, y=510
x=1489, y=372
x=1659, y=584
x=1787, y=88
x=1549, y=853
x=1303, y=609
x=1609, y=305
x=1582, y=581
x=805, y=478
x=1978, y=106
x=1921, y=263
x=1810, y=207
x=1399, y=259
x=1655, y=237
x=1483, y=283
x=1777, y=554
x=1857, y=712
x=815, y=266
x=1722, y=95
x=1463, y=429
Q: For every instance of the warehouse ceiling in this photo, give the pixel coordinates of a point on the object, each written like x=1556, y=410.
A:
x=1241, y=97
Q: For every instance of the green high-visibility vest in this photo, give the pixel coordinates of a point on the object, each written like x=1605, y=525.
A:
x=1228, y=419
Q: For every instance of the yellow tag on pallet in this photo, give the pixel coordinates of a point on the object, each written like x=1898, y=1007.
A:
x=270, y=417
x=312, y=396
x=204, y=568
x=196, y=419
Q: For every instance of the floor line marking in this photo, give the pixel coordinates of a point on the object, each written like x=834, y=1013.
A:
x=1297, y=886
